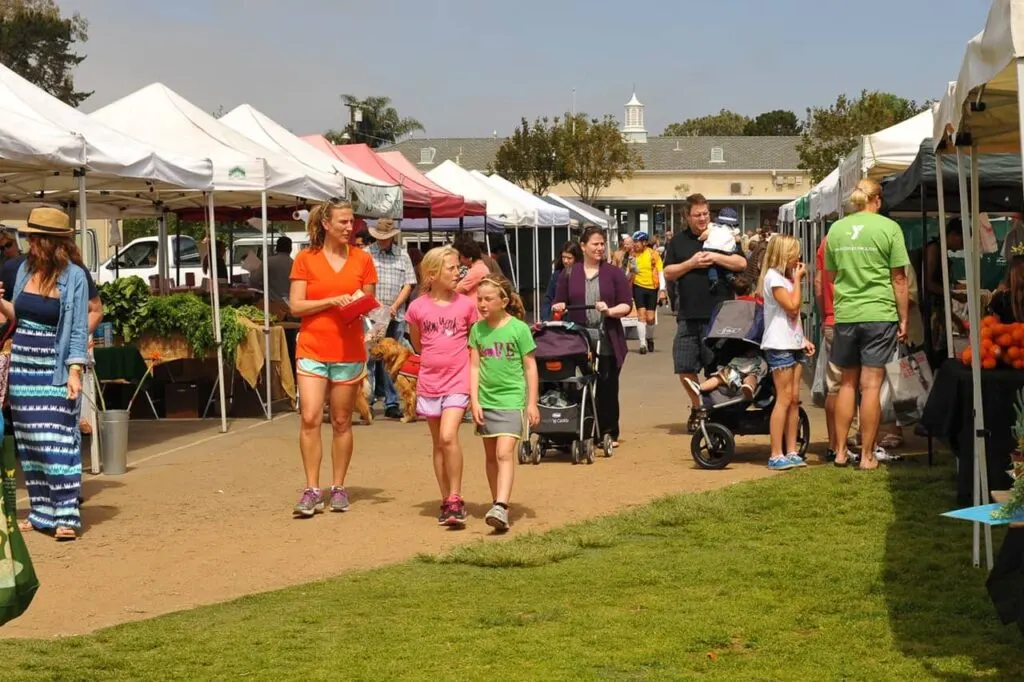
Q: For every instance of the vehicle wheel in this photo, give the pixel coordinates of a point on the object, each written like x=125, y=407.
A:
x=575, y=451
x=524, y=452
x=803, y=434
x=589, y=446
x=537, y=451
x=718, y=452
x=606, y=445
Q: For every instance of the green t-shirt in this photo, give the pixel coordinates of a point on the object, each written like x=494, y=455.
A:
x=502, y=375
x=862, y=250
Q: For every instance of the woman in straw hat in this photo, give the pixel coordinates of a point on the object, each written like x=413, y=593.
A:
x=50, y=307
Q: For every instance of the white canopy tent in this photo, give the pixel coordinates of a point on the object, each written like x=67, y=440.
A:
x=982, y=112
x=824, y=197
x=247, y=176
x=787, y=213
x=500, y=208
x=374, y=198
x=885, y=153
x=547, y=215
x=595, y=216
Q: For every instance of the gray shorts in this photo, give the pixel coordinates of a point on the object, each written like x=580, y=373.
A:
x=510, y=423
x=689, y=354
x=863, y=344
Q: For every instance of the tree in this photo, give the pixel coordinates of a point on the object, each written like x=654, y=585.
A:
x=36, y=42
x=380, y=123
x=723, y=124
x=529, y=158
x=593, y=154
x=832, y=132
x=777, y=123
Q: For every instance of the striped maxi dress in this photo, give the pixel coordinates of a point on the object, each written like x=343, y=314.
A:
x=46, y=430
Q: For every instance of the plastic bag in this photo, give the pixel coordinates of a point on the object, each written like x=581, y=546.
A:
x=908, y=379
x=18, y=582
x=818, y=386
x=989, y=243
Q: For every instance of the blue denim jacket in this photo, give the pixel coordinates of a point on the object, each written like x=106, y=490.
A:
x=73, y=323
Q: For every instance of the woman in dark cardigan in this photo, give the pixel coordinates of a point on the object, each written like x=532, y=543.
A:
x=600, y=284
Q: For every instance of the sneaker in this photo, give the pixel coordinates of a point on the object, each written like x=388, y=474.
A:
x=339, y=499
x=442, y=518
x=497, y=518
x=796, y=460
x=456, y=514
x=693, y=423
x=882, y=455
x=393, y=413
x=780, y=463
x=311, y=502
x=693, y=386
x=643, y=350
x=650, y=345
x=830, y=455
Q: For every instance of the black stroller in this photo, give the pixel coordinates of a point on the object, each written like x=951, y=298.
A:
x=567, y=360
x=735, y=327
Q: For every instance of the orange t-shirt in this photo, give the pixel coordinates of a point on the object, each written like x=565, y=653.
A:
x=325, y=336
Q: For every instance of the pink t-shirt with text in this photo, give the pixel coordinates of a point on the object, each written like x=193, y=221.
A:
x=444, y=344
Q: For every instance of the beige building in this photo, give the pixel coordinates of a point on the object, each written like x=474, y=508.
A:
x=754, y=175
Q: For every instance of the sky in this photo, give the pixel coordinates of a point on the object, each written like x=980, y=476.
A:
x=472, y=68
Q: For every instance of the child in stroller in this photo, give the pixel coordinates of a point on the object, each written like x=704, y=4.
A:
x=738, y=400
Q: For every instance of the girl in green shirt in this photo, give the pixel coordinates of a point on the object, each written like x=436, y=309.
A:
x=502, y=385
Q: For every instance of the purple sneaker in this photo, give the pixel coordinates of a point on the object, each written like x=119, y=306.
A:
x=311, y=502
x=339, y=499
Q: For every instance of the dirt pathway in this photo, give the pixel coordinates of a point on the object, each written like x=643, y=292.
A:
x=195, y=523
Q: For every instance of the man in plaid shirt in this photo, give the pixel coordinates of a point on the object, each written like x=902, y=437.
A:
x=396, y=278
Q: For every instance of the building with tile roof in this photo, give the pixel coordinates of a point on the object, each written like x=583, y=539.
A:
x=754, y=175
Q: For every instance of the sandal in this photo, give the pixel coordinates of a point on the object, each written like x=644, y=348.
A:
x=63, y=533
x=25, y=526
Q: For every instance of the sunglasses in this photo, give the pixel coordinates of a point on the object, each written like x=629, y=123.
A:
x=6, y=245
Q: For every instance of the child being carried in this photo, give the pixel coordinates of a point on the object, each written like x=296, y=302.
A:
x=720, y=238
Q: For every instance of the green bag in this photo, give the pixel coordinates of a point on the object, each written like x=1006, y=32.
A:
x=18, y=582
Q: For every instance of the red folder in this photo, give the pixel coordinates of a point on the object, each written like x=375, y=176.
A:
x=357, y=308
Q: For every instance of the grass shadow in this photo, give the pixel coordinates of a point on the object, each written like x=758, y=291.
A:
x=938, y=606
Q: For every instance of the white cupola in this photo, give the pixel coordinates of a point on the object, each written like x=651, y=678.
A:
x=634, y=131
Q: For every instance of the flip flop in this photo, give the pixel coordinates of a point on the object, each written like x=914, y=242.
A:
x=62, y=534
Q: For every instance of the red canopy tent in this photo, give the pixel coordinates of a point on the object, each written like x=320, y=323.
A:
x=398, y=161
x=437, y=204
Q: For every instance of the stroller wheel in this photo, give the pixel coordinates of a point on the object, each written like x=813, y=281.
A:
x=536, y=451
x=576, y=451
x=803, y=434
x=524, y=452
x=606, y=445
x=718, y=451
x=589, y=446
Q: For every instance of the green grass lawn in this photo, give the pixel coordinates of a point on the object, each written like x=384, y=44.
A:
x=813, y=575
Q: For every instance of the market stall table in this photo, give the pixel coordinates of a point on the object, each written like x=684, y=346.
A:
x=949, y=416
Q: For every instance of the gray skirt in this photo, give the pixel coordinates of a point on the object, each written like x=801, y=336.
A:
x=510, y=423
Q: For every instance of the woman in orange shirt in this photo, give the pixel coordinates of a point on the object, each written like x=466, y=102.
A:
x=330, y=352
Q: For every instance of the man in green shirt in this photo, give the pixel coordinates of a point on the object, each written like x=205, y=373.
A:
x=866, y=257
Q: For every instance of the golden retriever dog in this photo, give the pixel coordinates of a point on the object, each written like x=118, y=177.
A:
x=402, y=365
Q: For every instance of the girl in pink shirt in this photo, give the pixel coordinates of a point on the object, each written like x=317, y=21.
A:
x=439, y=323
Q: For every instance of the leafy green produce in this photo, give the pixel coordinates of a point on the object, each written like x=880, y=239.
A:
x=188, y=315
x=122, y=300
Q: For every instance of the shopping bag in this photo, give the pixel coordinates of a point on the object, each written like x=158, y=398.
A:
x=18, y=583
x=819, y=389
x=905, y=389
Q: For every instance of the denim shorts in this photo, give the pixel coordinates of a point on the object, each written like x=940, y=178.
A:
x=432, y=408
x=783, y=359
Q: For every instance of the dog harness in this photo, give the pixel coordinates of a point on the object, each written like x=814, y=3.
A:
x=411, y=367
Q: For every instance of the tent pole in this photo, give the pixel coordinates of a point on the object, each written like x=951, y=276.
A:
x=974, y=313
x=89, y=380
x=177, y=252
x=267, y=354
x=944, y=254
x=972, y=298
x=430, y=227
x=215, y=305
x=536, y=272
x=163, y=270
x=519, y=263
x=512, y=263
x=924, y=300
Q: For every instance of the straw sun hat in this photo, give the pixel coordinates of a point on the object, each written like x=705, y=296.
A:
x=49, y=221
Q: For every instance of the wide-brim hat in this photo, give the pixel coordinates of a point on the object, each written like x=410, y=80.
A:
x=384, y=229
x=48, y=221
